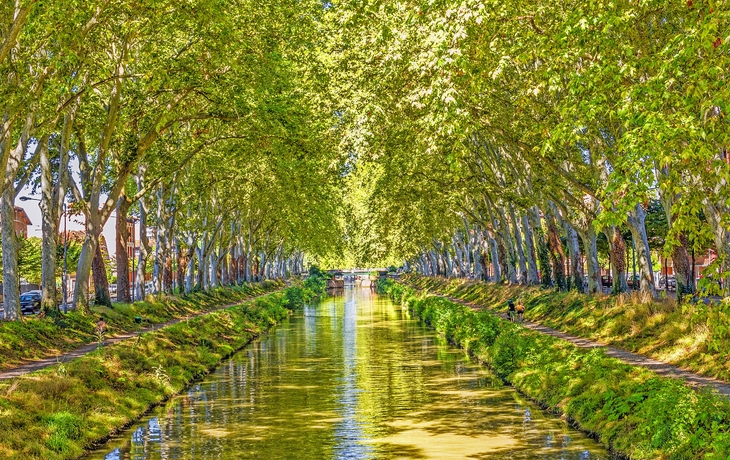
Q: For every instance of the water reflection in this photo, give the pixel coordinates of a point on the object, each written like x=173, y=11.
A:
x=350, y=378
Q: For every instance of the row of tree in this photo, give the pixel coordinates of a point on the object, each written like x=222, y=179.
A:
x=519, y=132
x=201, y=119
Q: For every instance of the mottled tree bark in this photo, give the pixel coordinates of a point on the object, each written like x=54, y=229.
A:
x=557, y=254
x=122, y=236
x=101, y=282
x=617, y=247
x=636, y=222
x=11, y=289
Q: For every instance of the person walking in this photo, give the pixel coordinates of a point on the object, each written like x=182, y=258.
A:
x=510, y=310
x=520, y=311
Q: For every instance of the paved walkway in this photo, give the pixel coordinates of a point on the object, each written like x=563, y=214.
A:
x=88, y=348
x=661, y=368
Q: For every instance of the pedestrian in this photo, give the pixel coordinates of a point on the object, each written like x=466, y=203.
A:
x=520, y=310
x=510, y=310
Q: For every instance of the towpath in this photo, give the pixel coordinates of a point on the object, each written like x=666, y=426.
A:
x=661, y=368
x=88, y=348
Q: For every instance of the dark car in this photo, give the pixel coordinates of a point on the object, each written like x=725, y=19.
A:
x=633, y=281
x=30, y=302
x=672, y=283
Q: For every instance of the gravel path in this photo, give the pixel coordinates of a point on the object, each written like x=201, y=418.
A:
x=661, y=368
x=88, y=348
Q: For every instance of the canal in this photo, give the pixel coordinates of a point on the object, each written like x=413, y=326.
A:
x=350, y=378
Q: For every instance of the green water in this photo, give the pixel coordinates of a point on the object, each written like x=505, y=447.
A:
x=352, y=378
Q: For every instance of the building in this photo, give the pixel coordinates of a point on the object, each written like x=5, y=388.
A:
x=21, y=222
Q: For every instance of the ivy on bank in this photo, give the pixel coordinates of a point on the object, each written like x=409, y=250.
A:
x=632, y=410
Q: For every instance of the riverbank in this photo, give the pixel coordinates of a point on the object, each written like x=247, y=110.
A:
x=631, y=410
x=695, y=337
x=35, y=338
x=60, y=412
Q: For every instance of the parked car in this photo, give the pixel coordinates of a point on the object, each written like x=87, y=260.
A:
x=672, y=282
x=606, y=281
x=633, y=281
x=30, y=302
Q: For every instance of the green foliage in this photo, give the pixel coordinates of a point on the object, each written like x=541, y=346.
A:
x=633, y=411
x=313, y=288
x=29, y=259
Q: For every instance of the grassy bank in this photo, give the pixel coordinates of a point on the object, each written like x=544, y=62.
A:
x=630, y=409
x=35, y=338
x=60, y=412
x=691, y=336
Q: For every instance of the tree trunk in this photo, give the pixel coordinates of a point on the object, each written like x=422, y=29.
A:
x=683, y=268
x=588, y=236
x=530, y=253
x=213, y=267
x=201, y=267
x=617, y=247
x=11, y=280
x=122, y=236
x=636, y=222
x=576, y=265
x=101, y=283
x=522, y=276
x=50, y=207
x=83, y=270
x=721, y=236
x=496, y=267
x=167, y=273
x=509, y=258
x=190, y=275
x=557, y=255
x=181, y=264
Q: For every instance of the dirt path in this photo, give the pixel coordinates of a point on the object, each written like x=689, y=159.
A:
x=661, y=368
x=88, y=348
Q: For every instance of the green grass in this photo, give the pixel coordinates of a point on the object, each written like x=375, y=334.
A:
x=692, y=336
x=633, y=411
x=60, y=412
x=35, y=338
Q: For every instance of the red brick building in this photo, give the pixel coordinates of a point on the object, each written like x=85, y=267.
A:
x=21, y=222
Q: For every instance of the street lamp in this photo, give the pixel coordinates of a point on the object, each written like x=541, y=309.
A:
x=65, y=250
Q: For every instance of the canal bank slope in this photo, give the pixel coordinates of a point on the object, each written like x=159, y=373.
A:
x=634, y=412
x=34, y=339
x=692, y=336
x=60, y=412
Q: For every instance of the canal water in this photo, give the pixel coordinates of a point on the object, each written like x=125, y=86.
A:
x=351, y=378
